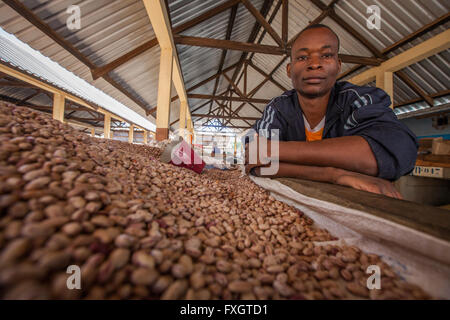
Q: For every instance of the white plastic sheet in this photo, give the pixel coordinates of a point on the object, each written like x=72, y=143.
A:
x=415, y=256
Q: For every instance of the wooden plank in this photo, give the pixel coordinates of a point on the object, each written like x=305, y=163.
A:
x=263, y=22
x=245, y=78
x=103, y=70
x=107, y=126
x=253, y=34
x=228, y=44
x=263, y=33
x=385, y=81
x=419, y=52
x=100, y=71
x=15, y=84
x=145, y=137
x=348, y=28
x=159, y=19
x=410, y=83
x=224, y=52
x=435, y=222
x=433, y=95
x=38, y=92
x=284, y=21
x=439, y=21
x=206, y=96
x=183, y=107
x=224, y=117
x=232, y=127
x=238, y=91
x=58, y=107
x=164, y=89
x=131, y=134
x=269, y=76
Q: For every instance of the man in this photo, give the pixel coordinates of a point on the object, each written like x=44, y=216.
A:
x=215, y=150
x=332, y=131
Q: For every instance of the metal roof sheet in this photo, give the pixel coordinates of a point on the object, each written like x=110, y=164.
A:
x=22, y=56
x=111, y=28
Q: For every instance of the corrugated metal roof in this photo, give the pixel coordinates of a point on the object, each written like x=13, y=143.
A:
x=20, y=55
x=111, y=28
x=108, y=30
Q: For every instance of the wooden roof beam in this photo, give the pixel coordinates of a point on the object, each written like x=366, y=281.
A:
x=206, y=96
x=228, y=44
x=100, y=71
x=259, y=17
x=348, y=28
x=417, y=53
x=223, y=117
x=159, y=19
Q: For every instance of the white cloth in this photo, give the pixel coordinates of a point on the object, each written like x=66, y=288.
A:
x=319, y=126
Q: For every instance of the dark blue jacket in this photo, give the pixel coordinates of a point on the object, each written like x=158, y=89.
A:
x=352, y=111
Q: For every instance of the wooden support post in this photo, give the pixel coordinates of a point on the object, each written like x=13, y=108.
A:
x=235, y=146
x=58, y=107
x=145, y=137
x=385, y=81
x=183, y=109
x=107, y=126
x=164, y=92
x=190, y=129
x=131, y=134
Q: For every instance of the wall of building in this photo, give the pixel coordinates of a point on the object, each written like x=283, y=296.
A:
x=423, y=128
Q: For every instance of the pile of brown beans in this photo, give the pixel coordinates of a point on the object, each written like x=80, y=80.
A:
x=141, y=229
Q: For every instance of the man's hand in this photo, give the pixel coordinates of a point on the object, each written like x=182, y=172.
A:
x=367, y=183
x=260, y=161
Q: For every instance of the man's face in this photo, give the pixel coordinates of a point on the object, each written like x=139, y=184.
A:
x=314, y=62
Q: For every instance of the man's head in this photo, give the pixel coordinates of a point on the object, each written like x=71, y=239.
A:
x=314, y=62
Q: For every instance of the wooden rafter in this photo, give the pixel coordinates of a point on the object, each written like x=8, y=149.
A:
x=325, y=13
x=415, y=100
x=15, y=84
x=258, y=48
x=254, y=33
x=407, y=80
x=284, y=22
x=260, y=18
x=228, y=44
x=224, y=52
x=232, y=127
x=439, y=21
x=22, y=10
x=329, y=11
x=269, y=76
x=31, y=96
x=100, y=71
x=207, y=96
x=443, y=19
x=333, y=15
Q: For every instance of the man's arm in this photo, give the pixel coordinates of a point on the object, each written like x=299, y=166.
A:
x=336, y=176
x=351, y=153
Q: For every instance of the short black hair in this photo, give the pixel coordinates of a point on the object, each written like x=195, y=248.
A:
x=316, y=26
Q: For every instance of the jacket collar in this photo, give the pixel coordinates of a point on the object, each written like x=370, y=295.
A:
x=332, y=114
